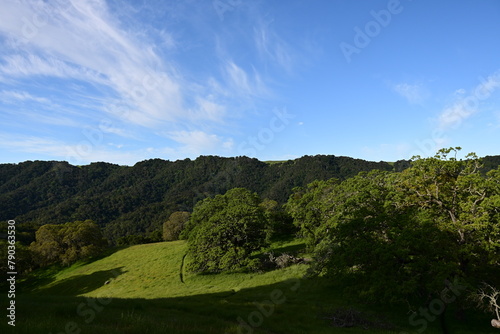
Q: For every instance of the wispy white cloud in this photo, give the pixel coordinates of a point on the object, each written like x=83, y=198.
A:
x=207, y=109
x=85, y=44
x=15, y=96
x=455, y=114
x=413, y=93
x=111, y=128
x=88, y=62
x=467, y=104
x=272, y=48
x=277, y=51
x=28, y=107
x=244, y=84
x=31, y=144
x=29, y=65
x=83, y=41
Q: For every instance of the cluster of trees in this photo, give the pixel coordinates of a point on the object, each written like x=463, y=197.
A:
x=61, y=244
x=393, y=235
x=139, y=239
x=173, y=227
x=67, y=243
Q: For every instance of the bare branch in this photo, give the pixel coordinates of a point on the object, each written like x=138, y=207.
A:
x=487, y=298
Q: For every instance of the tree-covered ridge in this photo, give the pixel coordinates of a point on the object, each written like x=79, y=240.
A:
x=134, y=200
x=138, y=200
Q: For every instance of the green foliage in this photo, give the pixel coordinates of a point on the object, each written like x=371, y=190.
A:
x=132, y=239
x=225, y=230
x=156, y=236
x=138, y=239
x=67, y=243
x=280, y=222
x=173, y=227
x=374, y=245
x=463, y=204
x=309, y=208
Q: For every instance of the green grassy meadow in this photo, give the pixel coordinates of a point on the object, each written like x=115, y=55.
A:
x=140, y=289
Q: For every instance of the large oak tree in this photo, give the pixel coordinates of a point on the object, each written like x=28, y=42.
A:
x=225, y=230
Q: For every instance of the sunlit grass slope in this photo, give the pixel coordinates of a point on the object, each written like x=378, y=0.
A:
x=154, y=271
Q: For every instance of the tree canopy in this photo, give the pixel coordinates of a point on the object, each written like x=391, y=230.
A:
x=67, y=243
x=173, y=227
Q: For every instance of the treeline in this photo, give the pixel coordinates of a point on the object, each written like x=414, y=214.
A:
x=127, y=201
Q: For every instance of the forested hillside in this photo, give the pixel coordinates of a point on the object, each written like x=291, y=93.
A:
x=134, y=200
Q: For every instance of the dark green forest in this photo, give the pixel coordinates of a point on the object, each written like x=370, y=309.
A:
x=137, y=200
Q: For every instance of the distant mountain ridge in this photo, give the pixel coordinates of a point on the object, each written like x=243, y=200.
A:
x=134, y=200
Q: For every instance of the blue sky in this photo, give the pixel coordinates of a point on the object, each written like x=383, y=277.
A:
x=125, y=81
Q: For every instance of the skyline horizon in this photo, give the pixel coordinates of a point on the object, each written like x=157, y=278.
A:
x=244, y=156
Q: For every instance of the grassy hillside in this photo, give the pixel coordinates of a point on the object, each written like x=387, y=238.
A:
x=153, y=271
x=145, y=294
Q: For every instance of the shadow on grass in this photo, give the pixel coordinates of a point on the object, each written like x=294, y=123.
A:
x=107, y=252
x=38, y=278
x=291, y=306
x=77, y=285
x=45, y=276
